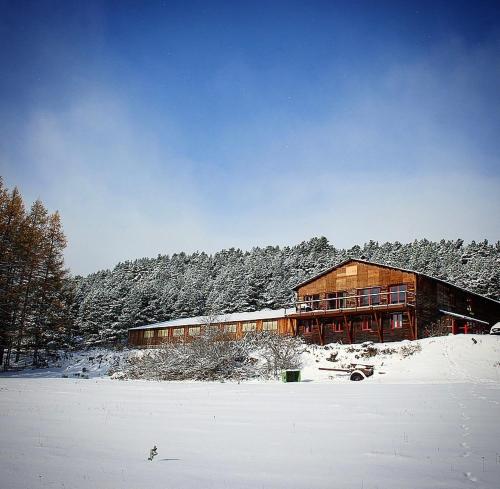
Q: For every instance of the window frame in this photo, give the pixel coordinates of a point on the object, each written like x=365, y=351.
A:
x=399, y=293
x=313, y=301
x=230, y=328
x=337, y=299
x=365, y=294
x=245, y=324
x=338, y=326
x=178, y=332
x=266, y=322
x=308, y=327
x=366, y=323
x=396, y=324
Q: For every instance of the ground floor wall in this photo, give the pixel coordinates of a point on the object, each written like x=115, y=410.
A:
x=231, y=331
x=379, y=327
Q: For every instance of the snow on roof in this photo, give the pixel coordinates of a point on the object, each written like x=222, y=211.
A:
x=461, y=316
x=220, y=318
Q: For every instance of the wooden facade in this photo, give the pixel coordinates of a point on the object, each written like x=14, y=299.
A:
x=353, y=302
x=359, y=301
x=190, y=328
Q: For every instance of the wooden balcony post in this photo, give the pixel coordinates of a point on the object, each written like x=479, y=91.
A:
x=410, y=320
x=378, y=320
x=319, y=325
x=453, y=326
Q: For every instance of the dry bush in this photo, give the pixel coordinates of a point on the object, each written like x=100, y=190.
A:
x=370, y=351
x=410, y=349
x=213, y=356
x=436, y=329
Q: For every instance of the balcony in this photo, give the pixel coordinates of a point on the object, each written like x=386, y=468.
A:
x=362, y=303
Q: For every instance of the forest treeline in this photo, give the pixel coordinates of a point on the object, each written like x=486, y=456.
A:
x=43, y=308
x=149, y=290
x=35, y=294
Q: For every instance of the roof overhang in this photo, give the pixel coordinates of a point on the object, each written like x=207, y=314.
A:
x=466, y=318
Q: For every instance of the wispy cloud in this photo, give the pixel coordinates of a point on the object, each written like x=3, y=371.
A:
x=410, y=152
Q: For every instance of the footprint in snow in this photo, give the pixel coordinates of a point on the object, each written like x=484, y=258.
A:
x=464, y=445
x=469, y=476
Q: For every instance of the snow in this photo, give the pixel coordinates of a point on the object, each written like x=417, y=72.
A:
x=431, y=421
x=91, y=363
x=461, y=316
x=445, y=359
x=226, y=318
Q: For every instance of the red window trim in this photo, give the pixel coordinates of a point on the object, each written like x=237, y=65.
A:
x=366, y=324
x=395, y=323
x=337, y=327
x=308, y=328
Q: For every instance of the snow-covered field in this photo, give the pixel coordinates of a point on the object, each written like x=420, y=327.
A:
x=432, y=420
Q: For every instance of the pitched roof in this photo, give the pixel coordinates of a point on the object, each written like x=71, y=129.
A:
x=341, y=264
x=220, y=318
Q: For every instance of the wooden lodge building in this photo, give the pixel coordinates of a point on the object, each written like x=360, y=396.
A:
x=352, y=302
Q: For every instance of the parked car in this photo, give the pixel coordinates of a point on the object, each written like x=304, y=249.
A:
x=495, y=329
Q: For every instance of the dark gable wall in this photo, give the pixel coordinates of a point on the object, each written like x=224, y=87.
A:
x=433, y=295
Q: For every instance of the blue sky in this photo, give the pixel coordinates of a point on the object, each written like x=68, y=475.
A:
x=156, y=127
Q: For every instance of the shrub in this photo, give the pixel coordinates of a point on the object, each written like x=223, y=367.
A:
x=410, y=349
x=213, y=356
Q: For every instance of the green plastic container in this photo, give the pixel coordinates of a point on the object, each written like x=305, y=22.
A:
x=290, y=376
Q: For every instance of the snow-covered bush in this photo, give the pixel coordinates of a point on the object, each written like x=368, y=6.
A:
x=433, y=330
x=213, y=356
x=409, y=349
x=277, y=352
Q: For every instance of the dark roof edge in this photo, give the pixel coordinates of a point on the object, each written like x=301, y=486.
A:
x=341, y=264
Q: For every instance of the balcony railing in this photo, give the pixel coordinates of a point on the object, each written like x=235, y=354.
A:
x=359, y=302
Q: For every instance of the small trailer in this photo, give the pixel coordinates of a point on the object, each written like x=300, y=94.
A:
x=357, y=371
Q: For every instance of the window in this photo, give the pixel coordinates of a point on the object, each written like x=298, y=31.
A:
x=271, y=325
x=194, y=331
x=149, y=333
x=397, y=320
x=312, y=301
x=249, y=326
x=337, y=327
x=369, y=297
x=308, y=327
x=178, y=332
x=230, y=328
x=163, y=332
x=336, y=300
x=397, y=294
x=366, y=323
